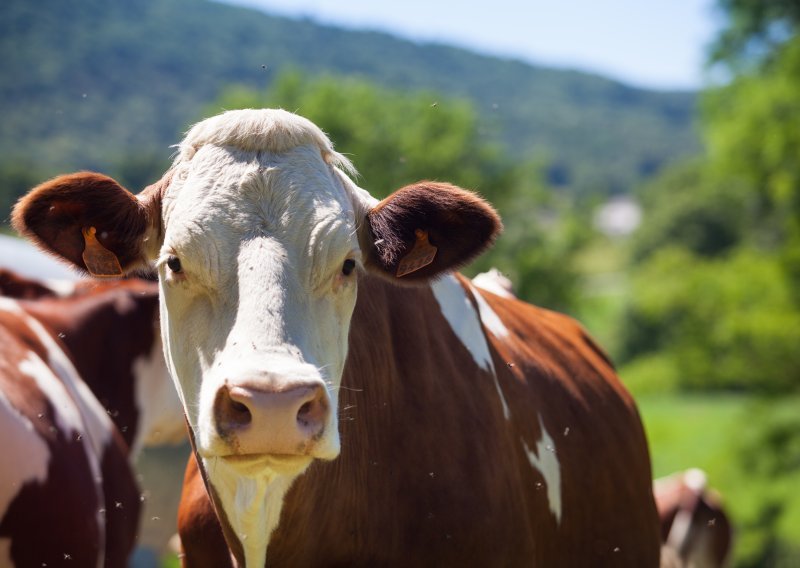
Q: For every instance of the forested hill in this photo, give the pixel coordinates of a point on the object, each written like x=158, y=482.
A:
x=87, y=83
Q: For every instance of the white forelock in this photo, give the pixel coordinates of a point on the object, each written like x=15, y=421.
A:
x=251, y=130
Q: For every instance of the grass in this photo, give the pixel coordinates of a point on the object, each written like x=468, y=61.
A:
x=728, y=437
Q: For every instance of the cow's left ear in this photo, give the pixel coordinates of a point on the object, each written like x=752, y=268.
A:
x=91, y=221
x=425, y=229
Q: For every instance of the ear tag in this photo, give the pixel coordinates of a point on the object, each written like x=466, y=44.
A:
x=100, y=261
x=420, y=256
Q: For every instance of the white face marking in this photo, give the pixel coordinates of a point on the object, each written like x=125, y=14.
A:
x=255, y=489
x=26, y=457
x=160, y=412
x=545, y=460
x=261, y=282
x=465, y=323
x=261, y=223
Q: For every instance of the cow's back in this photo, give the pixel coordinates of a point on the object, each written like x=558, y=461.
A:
x=565, y=399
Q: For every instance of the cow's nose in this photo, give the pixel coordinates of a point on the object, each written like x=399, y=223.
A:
x=258, y=420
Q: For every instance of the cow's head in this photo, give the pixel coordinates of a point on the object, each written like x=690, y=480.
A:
x=259, y=237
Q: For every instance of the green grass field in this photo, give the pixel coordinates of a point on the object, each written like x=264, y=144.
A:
x=733, y=438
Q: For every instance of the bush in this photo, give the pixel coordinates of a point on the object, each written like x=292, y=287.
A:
x=729, y=323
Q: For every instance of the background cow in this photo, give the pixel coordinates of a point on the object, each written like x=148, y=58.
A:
x=67, y=490
x=693, y=520
x=100, y=336
x=476, y=429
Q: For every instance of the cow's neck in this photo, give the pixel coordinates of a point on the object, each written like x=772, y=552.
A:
x=257, y=492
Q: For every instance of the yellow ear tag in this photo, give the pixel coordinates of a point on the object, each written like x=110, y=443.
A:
x=100, y=261
x=420, y=256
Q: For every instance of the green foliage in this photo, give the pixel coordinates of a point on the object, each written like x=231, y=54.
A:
x=16, y=178
x=752, y=122
x=86, y=81
x=755, y=30
x=687, y=207
x=729, y=323
x=394, y=137
x=715, y=289
x=732, y=439
x=398, y=137
x=538, y=249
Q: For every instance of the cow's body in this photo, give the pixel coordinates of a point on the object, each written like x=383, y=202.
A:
x=498, y=439
x=67, y=491
x=535, y=458
x=693, y=519
x=75, y=372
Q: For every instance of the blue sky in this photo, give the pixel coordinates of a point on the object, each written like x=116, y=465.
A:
x=651, y=43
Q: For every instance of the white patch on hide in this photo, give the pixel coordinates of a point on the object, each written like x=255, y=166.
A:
x=488, y=316
x=26, y=459
x=160, y=412
x=545, y=460
x=77, y=410
x=458, y=311
x=466, y=324
x=495, y=282
x=255, y=489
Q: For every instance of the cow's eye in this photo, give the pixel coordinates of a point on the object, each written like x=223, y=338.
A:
x=174, y=264
x=348, y=266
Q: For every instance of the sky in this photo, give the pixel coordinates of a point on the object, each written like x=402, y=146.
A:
x=649, y=43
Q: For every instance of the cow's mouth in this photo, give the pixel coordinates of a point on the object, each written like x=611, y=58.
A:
x=279, y=463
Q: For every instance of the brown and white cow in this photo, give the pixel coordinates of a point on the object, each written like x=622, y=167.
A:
x=475, y=429
x=110, y=332
x=74, y=372
x=693, y=519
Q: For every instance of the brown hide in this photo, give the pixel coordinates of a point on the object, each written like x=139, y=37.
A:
x=55, y=521
x=432, y=474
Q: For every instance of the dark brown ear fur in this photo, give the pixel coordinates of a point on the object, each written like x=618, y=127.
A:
x=53, y=214
x=458, y=222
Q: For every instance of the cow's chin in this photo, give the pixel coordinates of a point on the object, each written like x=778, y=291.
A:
x=253, y=465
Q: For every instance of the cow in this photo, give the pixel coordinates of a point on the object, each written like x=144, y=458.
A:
x=83, y=387
x=472, y=428
x=693, y=519
x=495, y=282
x=110, y=331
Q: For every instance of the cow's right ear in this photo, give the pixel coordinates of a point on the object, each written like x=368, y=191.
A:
x=91, y=221
x=426, y=229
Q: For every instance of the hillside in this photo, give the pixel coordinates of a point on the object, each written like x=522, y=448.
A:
x=88, y=83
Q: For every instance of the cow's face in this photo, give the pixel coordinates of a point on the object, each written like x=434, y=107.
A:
x=258, y=271
x=259, y=239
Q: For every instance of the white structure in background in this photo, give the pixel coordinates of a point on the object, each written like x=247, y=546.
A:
x=618, y=217
x=26, y=260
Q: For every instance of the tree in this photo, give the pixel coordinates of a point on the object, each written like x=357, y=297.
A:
x=398, y=137
x=752, y=122
x=393, y=137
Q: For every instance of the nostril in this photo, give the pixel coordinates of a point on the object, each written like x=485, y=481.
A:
x=241, y=412
x=230, y=414
x=312, y=413
x=303, y=413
